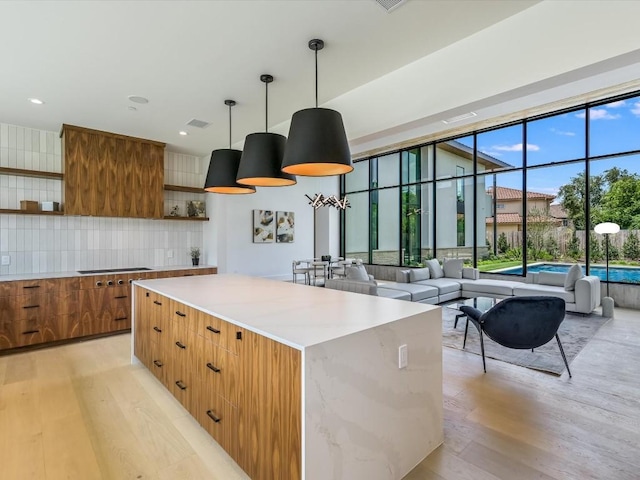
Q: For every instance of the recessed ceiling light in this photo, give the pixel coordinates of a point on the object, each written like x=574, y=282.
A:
x=36, y=101
x=138, y=99
x=183, y=133
x=459, y=118
x=133, y=109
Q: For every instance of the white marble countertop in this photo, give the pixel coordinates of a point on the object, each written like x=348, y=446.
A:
x=296, y=315
x=38, y=276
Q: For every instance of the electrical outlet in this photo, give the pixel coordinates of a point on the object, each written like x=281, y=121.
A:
x=169, y=253
x=6, y=260
x=403, y=356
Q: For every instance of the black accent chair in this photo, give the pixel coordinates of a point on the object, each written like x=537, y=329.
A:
x=519, y=322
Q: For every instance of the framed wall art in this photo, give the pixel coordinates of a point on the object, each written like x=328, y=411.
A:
x=263, y=226
x=285, y=227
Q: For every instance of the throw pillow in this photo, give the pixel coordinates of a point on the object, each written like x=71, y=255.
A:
x=417, y=274
x=435, y=270
x=402, y=276
x=357, y=272
x=453, y=268
x=574, y=274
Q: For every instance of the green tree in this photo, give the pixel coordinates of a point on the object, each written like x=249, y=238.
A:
x=573, y=247
x=614, y=253
x=539, y=225
x=551, y=247
x=595, y=251
x=621, y=203
x=503, y=245
x=631, y=247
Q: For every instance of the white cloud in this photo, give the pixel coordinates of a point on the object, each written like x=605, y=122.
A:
x=561, y=132
x=515, y=148
x=636, y=109
x=618, y=104
x=598, y=114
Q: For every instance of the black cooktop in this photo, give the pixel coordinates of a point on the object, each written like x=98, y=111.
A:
x=113, y=270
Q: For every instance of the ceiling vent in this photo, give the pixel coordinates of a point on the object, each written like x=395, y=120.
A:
x=198, y=123
x=390, y=5
x=459, y=118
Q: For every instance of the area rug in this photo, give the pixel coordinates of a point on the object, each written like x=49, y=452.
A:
x=575, y=332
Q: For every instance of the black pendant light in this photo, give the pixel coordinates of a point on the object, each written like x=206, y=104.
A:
x=223, y=168
x=317, y=144
x=262, y=154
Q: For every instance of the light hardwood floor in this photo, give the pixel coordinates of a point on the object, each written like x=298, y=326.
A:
x=84, y=412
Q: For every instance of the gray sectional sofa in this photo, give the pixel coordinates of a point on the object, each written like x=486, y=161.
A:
x=419, y=285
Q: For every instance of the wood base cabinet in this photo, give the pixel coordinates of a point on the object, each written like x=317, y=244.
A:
x=243, y=388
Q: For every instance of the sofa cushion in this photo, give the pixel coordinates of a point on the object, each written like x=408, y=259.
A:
x=529, y=289
x=435, y=270
x=357, y=272
x=573, y=275
x=552, y=278
x=452, y=268
x=418, y=292
x=402, y=276
x=489, y=287
x=444, y=285
x=397, y=294
x=417, y=274
x=470, y=273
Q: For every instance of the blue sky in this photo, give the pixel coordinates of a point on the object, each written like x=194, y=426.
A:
x=614, y=128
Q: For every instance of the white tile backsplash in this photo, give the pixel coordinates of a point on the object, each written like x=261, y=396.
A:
x=46, y=244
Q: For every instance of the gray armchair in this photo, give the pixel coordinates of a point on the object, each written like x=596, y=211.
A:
x=519, y=322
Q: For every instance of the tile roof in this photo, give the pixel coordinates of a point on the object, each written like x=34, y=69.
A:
x=506, y=218
x=556, y=211
x=505, y=193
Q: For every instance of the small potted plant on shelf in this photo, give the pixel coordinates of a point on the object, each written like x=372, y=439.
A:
x=195, y=255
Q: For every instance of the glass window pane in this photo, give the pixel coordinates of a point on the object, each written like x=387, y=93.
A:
x=412, y=217
x=454, y=214
x=615, y=188
x=385, y=171
x=357, y=227
x=411, y=166
x=358, y=179
x=504, y=194
x=426, y=220
x=614, y=127
x=499, y=149
x=550, y=230
x=385, y=225
x=449, y=156
x=554, y=139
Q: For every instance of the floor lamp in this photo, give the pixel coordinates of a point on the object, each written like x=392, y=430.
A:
x=606, y=229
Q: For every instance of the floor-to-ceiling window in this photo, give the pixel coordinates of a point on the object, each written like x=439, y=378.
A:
x=520, y=197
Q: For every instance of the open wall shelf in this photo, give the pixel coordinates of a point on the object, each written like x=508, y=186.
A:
x=30, y=173
x=179, y=188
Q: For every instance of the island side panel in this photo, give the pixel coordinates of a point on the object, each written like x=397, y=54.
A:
x=365, y=417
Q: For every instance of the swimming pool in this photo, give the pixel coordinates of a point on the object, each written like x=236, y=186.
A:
x=616, y=273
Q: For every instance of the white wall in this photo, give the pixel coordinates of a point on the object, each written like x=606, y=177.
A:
x=45, y=244
x=229, y=233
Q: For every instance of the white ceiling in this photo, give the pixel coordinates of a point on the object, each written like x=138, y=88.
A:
x=387, y=73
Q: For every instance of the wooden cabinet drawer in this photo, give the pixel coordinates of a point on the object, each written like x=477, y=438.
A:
x=220, y=419
x=25, y=287
x=29, y=331
x=221, y=333
x=8, y=289
x=32, y=307
x=218, y=370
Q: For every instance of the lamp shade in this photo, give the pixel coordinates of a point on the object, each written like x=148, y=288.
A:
x=261, y=161
x=606, y=227
x=317, y=145
x=223, y=169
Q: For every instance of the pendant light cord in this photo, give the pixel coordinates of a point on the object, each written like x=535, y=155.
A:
x=229, y=127
x=316, y=50
x=266, y=106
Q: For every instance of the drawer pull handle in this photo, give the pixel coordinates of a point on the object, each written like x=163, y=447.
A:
x=119, y=319
x=211, y=329
x=31, y=286
x=181, y=385
x=158, y=363
x=181, y=345
x=213, y=417
x=157, y=302
x=157, y=329
x=29, y=332
x=122, y=296
x=180, y=314
x=31, y=306
x=188, y=274
x=98, y=284
x=213, y=367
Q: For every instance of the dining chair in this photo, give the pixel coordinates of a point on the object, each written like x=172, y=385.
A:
x=299, y=268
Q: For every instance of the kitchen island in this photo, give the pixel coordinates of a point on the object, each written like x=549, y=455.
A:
x=295, y=381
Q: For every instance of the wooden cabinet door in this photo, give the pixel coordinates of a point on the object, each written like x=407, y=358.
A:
x=105, y=180
x=143, y=322
x=154, y=173
x=95, y=315
x=77, y=172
